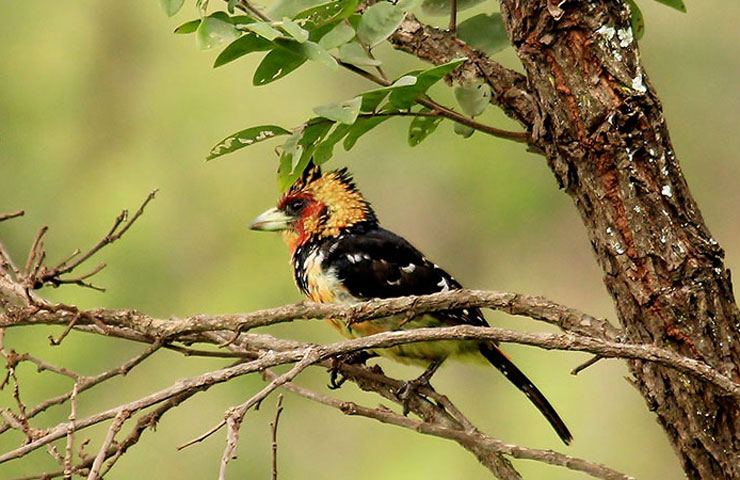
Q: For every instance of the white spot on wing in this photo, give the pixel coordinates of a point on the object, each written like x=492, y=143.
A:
x=443, y=284
x=397, y=282
x=409, y=268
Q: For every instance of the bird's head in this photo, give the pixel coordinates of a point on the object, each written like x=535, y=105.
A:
x=318, y=205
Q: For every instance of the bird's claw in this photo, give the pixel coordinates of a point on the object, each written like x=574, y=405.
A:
x=412, y=386
x=408, y=389
x=336, y=379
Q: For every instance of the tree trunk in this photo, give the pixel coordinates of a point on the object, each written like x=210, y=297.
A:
x=601, y=126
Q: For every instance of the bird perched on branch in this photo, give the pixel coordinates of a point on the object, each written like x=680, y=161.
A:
x=340, y=254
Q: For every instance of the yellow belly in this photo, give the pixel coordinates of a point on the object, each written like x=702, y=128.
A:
x=324, y=288
x=419, y=353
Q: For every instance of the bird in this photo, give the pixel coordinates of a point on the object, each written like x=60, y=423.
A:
x=341, y=254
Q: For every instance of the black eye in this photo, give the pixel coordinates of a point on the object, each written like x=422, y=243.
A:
x=295, y=206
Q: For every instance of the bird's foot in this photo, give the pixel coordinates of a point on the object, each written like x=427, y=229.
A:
x=336, y=379
x=412, y=386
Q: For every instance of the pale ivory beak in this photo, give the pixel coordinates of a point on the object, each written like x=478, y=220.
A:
x=271, y=221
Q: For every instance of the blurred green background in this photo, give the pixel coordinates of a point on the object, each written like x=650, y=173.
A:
x=100, y=103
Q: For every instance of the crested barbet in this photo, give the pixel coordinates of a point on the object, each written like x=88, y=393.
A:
x=340, y=254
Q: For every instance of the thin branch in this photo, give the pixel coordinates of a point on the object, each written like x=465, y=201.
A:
x=70, y=434
x=453, y=17
x=115, y=427
x=37, y=275
x=592, y=361
x=273, y=434
x=466, y=438
x=85, y=383
x=310, y=357
x=7, y=216
x=114, y=452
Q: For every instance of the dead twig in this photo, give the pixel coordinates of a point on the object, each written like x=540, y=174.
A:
x=310, y=357
x=70, y=434
x=593, y=360
x=82, y=384
x=115, y=427
x=273, y=434
x=7, y=216
x=36, y=274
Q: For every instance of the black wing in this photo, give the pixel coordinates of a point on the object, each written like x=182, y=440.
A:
x=381, y=264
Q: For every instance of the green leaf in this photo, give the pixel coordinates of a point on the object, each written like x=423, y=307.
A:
x=277, y=64
x=213, y=31
x=298, y=152
x=355, y=20
x=379, y=22
x=291, y=28
x=408, y=5
x=444, y=7
x=337, y=36
x=325, y=150
x=289, y=8
x=309, y=50
x=248, y=43
x=637, y=20
x=484, y=32
x=421, y=127
x=463, y=130
x=240, y=19
x=354, y=54
x=265, y=29
x=342, y=112
x=171, y=7
x=314, y=52
x=404, y=97
x=192, y=25
x=360, y=128
x=245, y=138
x=372, y=99
x=325, y=13
x=677, y=4
x=473, y=97
x=188, y=27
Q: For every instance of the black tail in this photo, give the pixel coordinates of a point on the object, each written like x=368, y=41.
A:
x=499, y=360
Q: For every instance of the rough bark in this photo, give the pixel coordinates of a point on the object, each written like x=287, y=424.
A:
x=601, y=126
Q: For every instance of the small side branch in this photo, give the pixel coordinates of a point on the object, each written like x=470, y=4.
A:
x=8, y=216
x=273, y=435
x=37, y=274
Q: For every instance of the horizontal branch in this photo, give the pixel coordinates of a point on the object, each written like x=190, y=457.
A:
x=538, y=308
x=389, y=339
